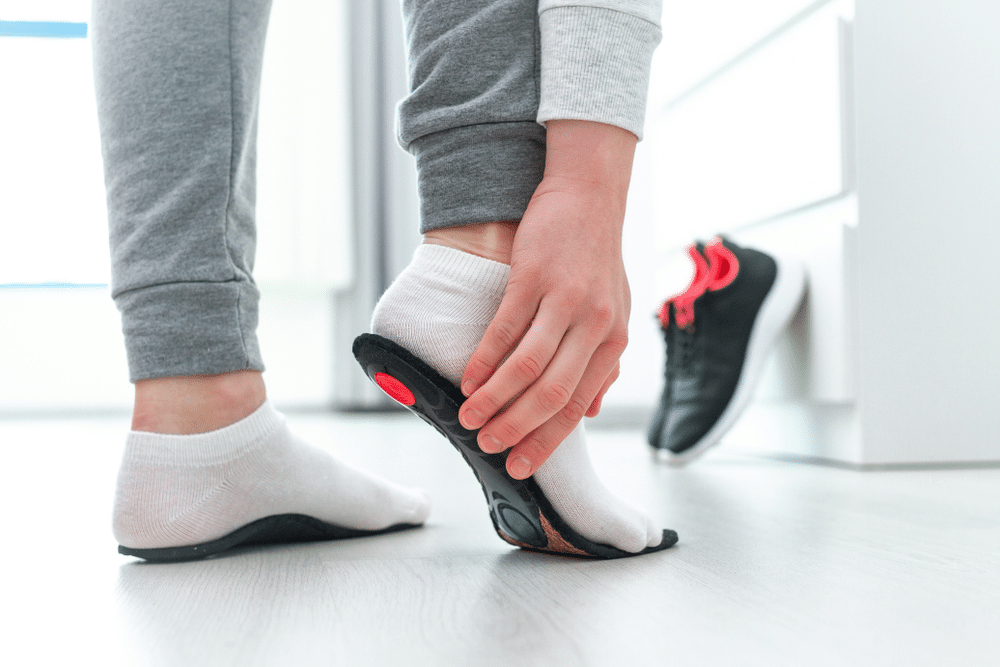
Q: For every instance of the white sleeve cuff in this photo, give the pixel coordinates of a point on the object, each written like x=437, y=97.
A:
x=595, y=64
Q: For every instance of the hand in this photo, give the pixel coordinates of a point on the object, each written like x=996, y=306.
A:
x=563, y=321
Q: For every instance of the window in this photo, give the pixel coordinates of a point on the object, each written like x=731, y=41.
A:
x=51, y=185
x=60, y=341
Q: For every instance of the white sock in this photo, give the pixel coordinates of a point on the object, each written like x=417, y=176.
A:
x=438, y=309
x=181, y=490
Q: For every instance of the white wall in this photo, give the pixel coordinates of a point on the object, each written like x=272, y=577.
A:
x=51, y=186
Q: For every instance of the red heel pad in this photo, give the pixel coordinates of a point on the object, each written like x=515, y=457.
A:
x=396, y=389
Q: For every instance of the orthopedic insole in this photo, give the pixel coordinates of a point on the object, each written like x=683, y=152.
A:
x=521, y=513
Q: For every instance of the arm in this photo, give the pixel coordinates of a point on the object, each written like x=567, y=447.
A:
x=563, y=321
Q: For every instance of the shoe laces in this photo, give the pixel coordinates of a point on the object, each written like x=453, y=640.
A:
x=723, y=265
x=715, y=267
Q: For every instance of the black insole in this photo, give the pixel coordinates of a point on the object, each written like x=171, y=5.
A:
x=520, y=511
x=276, y=529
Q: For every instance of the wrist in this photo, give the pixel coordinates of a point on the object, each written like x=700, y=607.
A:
x=588, y=156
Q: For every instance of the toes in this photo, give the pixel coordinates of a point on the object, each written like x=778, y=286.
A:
x=625, y=529
x=633, y=542
x=404, y=505
x=635, y=530
x=420, y=508
x=654, y=534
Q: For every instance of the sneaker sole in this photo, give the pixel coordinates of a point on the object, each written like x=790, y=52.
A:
x=775, y=313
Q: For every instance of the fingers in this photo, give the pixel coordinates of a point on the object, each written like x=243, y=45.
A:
x=560, y=366
x=491, y=383
x=525, y=367
x=533, y=450
x=509, y=325
x=563, y=394
x=595, y=406
x=554, y=390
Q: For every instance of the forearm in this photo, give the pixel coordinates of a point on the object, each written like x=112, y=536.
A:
x=590, y=158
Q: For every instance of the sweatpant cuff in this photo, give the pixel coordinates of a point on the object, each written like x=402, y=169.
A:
x=478, y=173
x=190, y=329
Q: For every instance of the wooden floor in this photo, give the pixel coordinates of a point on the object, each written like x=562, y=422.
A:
x=778, y=564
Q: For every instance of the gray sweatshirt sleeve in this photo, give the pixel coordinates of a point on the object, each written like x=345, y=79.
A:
x=595, y=60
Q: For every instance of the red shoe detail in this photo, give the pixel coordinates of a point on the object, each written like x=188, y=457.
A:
x=723, y=263
x=663, y=314
x=684, y=302
x=396, y=389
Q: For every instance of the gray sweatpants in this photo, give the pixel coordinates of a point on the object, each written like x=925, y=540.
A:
x=177, y=86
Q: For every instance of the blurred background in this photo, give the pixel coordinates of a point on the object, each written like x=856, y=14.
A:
x=858, y=136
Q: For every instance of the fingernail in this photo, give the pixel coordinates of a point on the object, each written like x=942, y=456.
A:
x=472, y=420
x=519, y=467
x=468, y=388
x=490, y=445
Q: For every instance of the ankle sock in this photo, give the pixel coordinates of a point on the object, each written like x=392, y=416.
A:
x=180, y=490
x=438, y=309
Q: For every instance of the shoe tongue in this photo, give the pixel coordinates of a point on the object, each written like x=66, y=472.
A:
x=723, y=265
x=683, y=302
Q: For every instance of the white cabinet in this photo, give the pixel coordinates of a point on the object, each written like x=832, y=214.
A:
x=759, y=138
x=701, y=38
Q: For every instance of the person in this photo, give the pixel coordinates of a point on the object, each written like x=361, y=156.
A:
x=523, y=119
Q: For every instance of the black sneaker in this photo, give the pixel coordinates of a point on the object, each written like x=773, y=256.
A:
x=718, y=333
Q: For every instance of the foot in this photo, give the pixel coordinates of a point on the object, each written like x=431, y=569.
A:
x=178, y=491
x=438, y=310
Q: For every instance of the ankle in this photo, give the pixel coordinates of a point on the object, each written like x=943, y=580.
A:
x=492, y=240
x=196, y=403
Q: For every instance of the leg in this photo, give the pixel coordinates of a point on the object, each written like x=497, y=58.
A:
x=177, y=86
x=470, y=123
